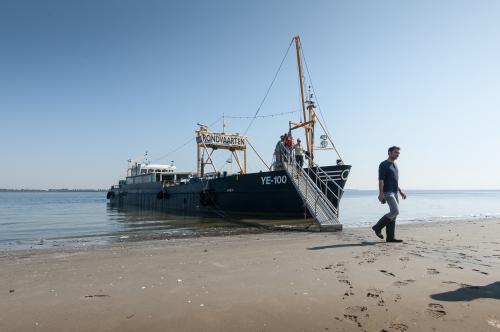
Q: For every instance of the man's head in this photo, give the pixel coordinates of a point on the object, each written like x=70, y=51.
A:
x=298, y=140
x=393, y=152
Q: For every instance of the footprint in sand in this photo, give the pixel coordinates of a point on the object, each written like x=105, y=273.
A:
x=353, y=313
x=453, y=261
x=349, y=293
x=482, y=272
x=404, y=259
x=352, y=318
x=374, y=292
x=432, y=271
x=435, y=310
x=399, y=326
x=453, y=266
x=355, y=310
x=494, y=322
x=387, y=273
x=462, y=285
x=397, y=298
x=399, y=283
x=410, y=280
x=96, y=296
x=345, y=281
x=449, y=282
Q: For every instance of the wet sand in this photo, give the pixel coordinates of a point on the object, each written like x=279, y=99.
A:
x=446, y=277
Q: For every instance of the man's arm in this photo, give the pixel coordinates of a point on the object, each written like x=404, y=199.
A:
x=381, y=197
x=402, y=193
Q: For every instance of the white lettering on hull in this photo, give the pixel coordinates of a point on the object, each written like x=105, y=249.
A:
x=276, y=179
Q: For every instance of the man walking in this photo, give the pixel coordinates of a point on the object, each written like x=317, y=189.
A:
x=388, y=176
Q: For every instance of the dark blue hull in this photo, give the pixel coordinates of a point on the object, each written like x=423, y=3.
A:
x=263, y=195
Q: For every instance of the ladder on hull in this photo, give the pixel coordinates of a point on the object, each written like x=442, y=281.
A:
x=312, y=186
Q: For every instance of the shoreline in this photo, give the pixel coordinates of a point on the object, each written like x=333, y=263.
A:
x=444, y=278
x=119, y=238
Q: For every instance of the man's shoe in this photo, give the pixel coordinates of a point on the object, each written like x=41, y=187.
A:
x=379, y=234
x=394, y=240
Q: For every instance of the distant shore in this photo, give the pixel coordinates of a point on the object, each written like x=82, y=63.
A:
x=444, y=278
x=51, y=190
x=348, y=190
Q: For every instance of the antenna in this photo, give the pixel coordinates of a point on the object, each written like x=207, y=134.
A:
x=202, y=126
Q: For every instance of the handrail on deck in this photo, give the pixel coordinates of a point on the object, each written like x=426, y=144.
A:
x=316, y=170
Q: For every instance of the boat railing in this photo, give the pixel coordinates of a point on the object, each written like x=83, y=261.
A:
x=315, y=175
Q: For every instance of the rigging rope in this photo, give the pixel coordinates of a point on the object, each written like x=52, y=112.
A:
x=185, y=143
x=216, y=121
x=325, y=128
x=260, y=116
x=256, y=115
x=269, y=89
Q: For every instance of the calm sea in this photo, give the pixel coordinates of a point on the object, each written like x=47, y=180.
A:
x=49, y=219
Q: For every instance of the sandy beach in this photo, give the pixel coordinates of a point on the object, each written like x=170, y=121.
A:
x=445, y=277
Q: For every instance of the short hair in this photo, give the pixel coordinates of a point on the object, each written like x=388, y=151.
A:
x=392, y=148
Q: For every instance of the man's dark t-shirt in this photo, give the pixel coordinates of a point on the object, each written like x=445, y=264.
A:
x=389, y=173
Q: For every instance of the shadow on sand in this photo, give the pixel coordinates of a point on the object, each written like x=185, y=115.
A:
x=334, y=246
x=491, y=291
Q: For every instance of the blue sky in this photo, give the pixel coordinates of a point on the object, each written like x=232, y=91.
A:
x=85, y=85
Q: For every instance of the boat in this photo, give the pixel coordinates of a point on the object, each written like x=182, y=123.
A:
x=284, y=190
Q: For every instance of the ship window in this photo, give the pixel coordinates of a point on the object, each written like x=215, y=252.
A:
x=167, y=177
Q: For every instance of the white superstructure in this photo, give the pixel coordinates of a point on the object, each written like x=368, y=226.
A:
x=145, y=173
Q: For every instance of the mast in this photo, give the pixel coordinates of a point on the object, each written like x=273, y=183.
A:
x=308, y=123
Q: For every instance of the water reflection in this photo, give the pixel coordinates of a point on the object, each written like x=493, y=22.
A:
x=136, y=224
